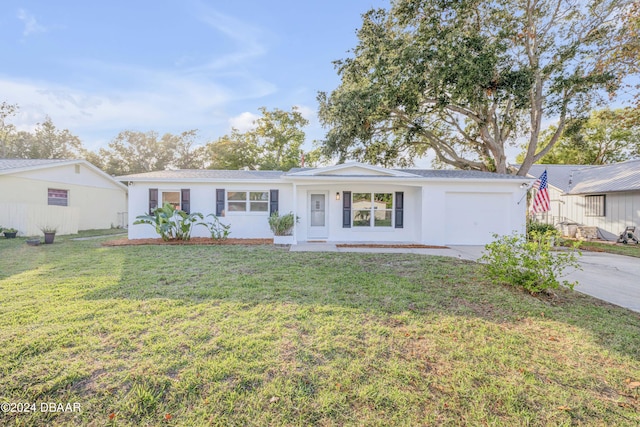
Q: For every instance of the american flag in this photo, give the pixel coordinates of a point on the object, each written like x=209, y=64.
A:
x=541, y=201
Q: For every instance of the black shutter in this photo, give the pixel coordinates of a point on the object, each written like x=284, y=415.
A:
x=346, y=209
x=186, y=200
x=399, y=209
x=219, y=202
x=153, y=200
x=273, y=201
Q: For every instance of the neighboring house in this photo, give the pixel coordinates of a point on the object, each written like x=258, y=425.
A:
x=607, y=197
x=69, y=195
x=350, y=202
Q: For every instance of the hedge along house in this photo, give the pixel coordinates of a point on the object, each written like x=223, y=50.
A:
x=68, y=195
x=350, y=202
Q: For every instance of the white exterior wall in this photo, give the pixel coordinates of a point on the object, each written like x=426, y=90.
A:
x=426, y=219
x=412, y=214
x=95, y=201
x=621, y=210
x=203, y=200
x=480, y=209
x=502, y=211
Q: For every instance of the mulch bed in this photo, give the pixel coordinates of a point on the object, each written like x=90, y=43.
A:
x=377, y=245
x=193, y=241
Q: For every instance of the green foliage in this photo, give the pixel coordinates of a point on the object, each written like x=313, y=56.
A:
x=274, y=144
x=218, y=230
x=171, y=223
x=8, y=230
x=48, y=229
x=282, y=225
x=606, y=136
x=137, y=152
x=535, y=228
x=529, y=263
x=45, y=142
x=467, y=78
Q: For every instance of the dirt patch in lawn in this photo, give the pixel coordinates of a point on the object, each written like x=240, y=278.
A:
x=385, y=246
x=193, y=241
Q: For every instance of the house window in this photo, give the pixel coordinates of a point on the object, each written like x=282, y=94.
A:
x=372, y=209
x=595, y=205
x=248, y=201
x=171, y=197
x=56, y=197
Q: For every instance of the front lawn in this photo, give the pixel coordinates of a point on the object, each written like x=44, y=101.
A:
x=612, y=248
x=231, y=335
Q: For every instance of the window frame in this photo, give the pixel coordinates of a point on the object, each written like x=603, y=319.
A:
x=372, y=211
x=248, y=202
x=161, y=193
x=595, y=205
x=49, y=198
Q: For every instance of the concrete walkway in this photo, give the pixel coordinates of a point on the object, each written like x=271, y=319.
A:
x=611, y=278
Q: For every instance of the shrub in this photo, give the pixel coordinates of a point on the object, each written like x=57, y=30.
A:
x=529, y=263
x=534, y=226
x=282, y=225
x=171, y=223
x=218, y=230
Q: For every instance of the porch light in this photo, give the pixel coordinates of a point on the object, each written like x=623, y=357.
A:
x=338, y=195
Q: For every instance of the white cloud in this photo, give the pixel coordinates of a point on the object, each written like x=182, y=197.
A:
x=31, y=25
x=248, y=39
x=171, y=105
x=244, y=121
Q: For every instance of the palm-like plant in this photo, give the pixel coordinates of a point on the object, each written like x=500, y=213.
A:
x=171, y=223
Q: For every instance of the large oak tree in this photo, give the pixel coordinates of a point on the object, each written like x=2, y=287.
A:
x=466, y=78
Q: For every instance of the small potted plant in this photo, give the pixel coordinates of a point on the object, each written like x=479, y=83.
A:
x=282, y=227
x=49, y=234
x=10, y=233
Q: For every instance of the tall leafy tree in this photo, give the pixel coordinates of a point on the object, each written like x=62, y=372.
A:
x=45, y=142
x=466, y=78
x=137, y=152
x=607, y=136
x=7, y=130
x=239, y=150
x=273, y=144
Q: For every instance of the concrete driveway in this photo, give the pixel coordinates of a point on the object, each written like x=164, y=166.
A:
x=611, y=278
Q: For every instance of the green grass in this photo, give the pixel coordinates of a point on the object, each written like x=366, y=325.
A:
x=617, y=248
x=260, y=336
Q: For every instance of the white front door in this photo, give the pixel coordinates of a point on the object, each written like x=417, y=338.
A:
x=318, y=215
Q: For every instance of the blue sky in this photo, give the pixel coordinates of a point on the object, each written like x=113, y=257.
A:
x=98, y=68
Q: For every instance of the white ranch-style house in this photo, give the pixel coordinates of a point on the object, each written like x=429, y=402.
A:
x=351, y=202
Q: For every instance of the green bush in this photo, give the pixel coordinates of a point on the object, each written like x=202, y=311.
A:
x=541, y=228
x=529, y=263
x=282, y=225
x=218, y=230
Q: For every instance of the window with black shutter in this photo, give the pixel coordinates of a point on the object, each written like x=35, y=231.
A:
x=185, y=195
x=220, y=202
x=153, y=200
x=399, y=208
x=346, y=209
x=273, y=201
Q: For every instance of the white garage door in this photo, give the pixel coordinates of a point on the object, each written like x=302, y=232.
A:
x=472, y=218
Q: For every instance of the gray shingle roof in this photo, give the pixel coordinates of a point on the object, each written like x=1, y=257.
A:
x=458, y=174
x=202, y=174
x=624, y=176
x=8, y=164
